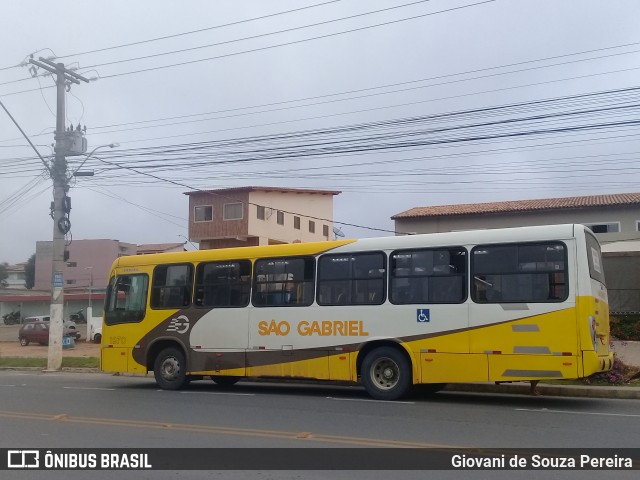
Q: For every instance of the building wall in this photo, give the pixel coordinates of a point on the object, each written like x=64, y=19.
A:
x=627, y=217
x=98, y=254
x=217, y=227
x=311, y=204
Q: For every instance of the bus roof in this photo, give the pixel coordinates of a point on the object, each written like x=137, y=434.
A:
x=461, y=238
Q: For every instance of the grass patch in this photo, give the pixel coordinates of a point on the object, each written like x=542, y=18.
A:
x=69, y=362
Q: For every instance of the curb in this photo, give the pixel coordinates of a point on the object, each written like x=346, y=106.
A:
x=547, y=390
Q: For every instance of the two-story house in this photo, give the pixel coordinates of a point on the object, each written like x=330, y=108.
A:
x=252, y=216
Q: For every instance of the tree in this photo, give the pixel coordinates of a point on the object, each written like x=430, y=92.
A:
x=3, y=274
x=30, y=272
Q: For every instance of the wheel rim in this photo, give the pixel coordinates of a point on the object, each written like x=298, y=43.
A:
x=170, y=369
x=385, y=373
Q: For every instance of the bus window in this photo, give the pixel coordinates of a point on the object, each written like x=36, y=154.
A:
x=126, y=299
x=171, y=286
x=594, y=257
x=223, y=284
x=519, y=273
x=428, y=276
x=352, y=279
x=283, y=282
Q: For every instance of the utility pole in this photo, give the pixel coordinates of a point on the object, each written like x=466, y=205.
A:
x=61, y=206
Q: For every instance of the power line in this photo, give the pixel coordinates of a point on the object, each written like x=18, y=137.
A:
x=141, y=42
x=294, y=42
x=253, y=37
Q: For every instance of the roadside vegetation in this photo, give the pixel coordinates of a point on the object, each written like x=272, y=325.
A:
x=67, y=362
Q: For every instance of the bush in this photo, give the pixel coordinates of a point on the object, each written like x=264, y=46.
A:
x=625, y=326
x=619, y=374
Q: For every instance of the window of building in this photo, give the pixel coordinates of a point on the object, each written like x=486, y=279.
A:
x=354, y=279
x=261, y=213
x=171, y=286
x=203, y=213
x=126, y=300
x=232, y=211
x=71, y=282
x=296, y=223
x=312, y=226
x=608, y=227
x=280, y=217
x=519, y=273
x=223, y=284
x=428, y=276
x=284, y=282
x=325, y=230
x=72, y=264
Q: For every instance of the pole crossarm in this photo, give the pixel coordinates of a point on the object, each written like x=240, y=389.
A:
x=58, y=68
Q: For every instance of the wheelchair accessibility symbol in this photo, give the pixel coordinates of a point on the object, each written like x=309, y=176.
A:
x=423, y=315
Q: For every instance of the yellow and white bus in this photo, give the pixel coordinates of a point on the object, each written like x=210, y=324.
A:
x=519, y=304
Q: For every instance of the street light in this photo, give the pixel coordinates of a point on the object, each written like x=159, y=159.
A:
x=90, y=308
x=88, y=174
x=192, y=244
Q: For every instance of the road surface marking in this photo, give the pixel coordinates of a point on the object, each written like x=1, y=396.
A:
x=8, y=385
x=394, y=402
x=546, y=410
x=88, y=388
x=219, y=430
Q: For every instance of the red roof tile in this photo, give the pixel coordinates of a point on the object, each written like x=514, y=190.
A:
x=522, y=205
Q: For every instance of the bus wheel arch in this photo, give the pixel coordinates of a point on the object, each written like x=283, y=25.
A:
x=386, y=370
x=168, y=360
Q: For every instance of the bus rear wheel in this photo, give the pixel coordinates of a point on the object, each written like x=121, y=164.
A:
x=170, y=369
x=224, y=381
x=386, y=374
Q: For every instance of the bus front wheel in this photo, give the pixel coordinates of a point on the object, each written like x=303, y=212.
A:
x=386, y=374
x=170, y=369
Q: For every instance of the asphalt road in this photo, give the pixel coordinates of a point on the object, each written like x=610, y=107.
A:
x=97, y=410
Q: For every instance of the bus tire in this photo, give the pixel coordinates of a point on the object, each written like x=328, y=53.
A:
x=97, y=338
x=224, y=380
x=386, y=374
x=170, y=369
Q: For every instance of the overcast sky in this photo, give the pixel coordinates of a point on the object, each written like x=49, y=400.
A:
x=397, y=104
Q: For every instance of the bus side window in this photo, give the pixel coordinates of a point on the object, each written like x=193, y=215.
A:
x=172, y=286
x=519, y=273
x=223, y=284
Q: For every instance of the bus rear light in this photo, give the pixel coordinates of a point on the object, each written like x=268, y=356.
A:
x=342, y=357
x=567, y=364
x=566, y=354
x=428, y=359
x=431, y=350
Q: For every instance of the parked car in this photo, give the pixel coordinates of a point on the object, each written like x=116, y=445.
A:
x=45, y=318
x=38, y=332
